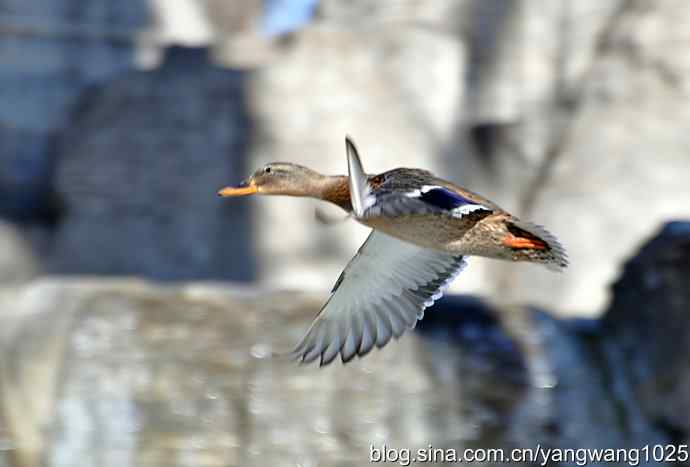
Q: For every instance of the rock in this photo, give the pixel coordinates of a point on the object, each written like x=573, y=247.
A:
x=139, y=170
x=26, y=176
x=125, y=372
x=529, y=102
x=52, y=51
x=17, y=261
x=592, y=144
x=646, y=325
x=486, y=105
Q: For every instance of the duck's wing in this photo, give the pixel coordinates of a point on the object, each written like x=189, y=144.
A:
x=382, y=292
x=360, y=190
x=406, y=191
x=429, y=199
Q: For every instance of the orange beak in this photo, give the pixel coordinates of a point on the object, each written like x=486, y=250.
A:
x=243, y=189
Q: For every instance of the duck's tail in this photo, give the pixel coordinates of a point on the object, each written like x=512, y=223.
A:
x=531, y=242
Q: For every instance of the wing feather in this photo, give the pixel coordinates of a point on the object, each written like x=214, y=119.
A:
x=382, y=292
x=428, y=200
x=368, y=334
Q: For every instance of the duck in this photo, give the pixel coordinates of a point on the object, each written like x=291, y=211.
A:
x=423, y=229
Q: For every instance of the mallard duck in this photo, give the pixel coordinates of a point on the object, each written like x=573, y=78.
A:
x=423, y=229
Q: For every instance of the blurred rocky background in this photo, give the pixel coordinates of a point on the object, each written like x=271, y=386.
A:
x=120, y=120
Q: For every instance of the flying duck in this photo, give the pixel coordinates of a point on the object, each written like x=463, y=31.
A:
x=423, y=230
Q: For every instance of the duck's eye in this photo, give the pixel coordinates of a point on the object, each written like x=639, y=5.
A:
x=267, y=170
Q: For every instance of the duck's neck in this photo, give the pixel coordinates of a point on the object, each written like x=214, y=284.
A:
x=334, y=189
x=331, y=188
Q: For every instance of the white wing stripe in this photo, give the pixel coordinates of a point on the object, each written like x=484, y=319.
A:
x=466, y=209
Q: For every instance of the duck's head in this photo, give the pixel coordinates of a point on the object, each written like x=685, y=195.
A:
x=278, y=178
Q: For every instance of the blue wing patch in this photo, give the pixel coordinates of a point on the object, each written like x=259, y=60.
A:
x=443, y=198
x=430, y=199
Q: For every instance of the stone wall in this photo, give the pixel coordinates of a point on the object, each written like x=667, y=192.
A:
x=138, y=171
x=52, y=50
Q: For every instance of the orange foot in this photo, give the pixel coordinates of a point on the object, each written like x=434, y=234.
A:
x=520, y=243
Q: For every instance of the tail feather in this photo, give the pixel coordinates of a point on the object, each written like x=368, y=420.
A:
x=552, y=254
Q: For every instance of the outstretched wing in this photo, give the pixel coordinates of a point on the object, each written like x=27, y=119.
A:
x=382, y=292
